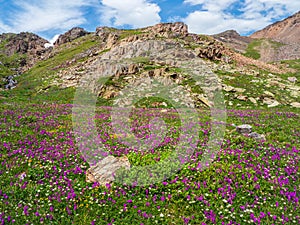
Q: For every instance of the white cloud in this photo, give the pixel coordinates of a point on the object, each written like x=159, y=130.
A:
x=211, y=5
x=43, y=15
x=52, y=40
x=211, y=16
x=137, y=13
x=206, y=22
x=4, y=28
x=214, y=17
x=59, y=15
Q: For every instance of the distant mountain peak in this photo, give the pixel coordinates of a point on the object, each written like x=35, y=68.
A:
x=228, y=33
x=233, y=39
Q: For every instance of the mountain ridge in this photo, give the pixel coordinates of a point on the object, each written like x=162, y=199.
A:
x=286, y=31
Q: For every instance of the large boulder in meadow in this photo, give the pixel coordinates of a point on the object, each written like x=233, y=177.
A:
x=103, y=172
x=244, y=129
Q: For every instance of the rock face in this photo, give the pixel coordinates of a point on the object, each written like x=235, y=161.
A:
x=103, y=171
x=167, y=30
x=212, y=52
x=163, y=55
x=70, y=35
x=108, y=35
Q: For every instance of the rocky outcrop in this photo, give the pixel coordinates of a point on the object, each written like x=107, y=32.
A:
x=211, y=51
x=70, y=35
x=109, y=36
x=168, y=30
x=23, y=43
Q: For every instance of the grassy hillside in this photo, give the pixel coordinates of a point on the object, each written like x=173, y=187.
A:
x=254, y=48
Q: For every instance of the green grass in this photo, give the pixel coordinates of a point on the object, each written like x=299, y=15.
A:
x=256, y=89
x=152, y=102
x=294, y=64
x=140, y=59
x=10, y=62
x=127, y=33
x=251, y=51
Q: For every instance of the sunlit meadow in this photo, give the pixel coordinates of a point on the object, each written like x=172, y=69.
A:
x=42, y=172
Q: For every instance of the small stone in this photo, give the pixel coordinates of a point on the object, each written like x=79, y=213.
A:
x=274, y=104
x=253, y=100
x=164, y=104
x=292, y=79
x=204, y=100
x=228, y=88
x=133, y=68
x=258, y=137
x=270, y=102
x=244, y=129
x=268, y=93
x=295, y=94
x=295, y=104
x=240, y=90
x=242, y=98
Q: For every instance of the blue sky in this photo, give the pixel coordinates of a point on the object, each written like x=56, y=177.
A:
x=50, y=18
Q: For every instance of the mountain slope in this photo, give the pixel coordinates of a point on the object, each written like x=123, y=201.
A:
x=55, y=74
x=277, y=42
x=286, y=31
